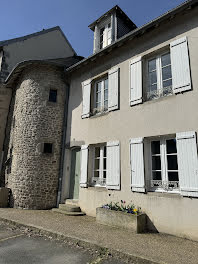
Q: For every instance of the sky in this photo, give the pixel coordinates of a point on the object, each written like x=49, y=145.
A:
x=22, y=17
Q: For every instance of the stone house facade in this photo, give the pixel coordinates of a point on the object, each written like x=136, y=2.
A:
x=125, y=126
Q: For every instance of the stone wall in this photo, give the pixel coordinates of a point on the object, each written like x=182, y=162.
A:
x=31, y=174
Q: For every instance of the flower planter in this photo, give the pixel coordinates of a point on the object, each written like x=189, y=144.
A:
x=121, y=219
x=4, y=196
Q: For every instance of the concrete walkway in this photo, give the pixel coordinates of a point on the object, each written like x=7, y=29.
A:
x=158, y=248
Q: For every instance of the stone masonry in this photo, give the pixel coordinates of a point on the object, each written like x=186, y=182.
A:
x=31, y=174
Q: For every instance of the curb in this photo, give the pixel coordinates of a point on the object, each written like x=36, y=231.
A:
x=81, y=243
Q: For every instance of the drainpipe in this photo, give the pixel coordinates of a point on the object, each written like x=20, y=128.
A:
x=63, y=144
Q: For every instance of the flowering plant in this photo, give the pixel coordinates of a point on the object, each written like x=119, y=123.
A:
x=122, y=206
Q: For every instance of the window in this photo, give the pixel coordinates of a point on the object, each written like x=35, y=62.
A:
x=99, y=165
x=101, y=96
x=105, y=36
x=164, y=167
x=47, y=148
x=159, y=76
x=53, y=96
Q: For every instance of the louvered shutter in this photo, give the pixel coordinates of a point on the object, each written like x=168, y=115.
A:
x=86, y=93
x=180, y=65
x=187, y=163
x=113, y=87
x=84, y=166
x=136, y=81
x=113, y=165
x=137, y=165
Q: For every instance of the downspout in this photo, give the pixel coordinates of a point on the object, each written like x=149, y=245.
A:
x=63, y=144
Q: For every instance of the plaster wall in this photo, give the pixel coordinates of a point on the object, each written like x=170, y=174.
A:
x=169, y=213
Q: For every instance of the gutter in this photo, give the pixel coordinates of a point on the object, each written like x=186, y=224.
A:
x=63, y=145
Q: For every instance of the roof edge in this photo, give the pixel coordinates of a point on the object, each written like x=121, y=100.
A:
x=135, y=32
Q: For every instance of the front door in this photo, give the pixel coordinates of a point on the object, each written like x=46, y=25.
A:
x=75, y=173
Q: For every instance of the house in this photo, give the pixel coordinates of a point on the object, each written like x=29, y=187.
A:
x=46, y=44
x=120, y=124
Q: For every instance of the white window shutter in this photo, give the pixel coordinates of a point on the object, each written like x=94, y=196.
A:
x=187, y=163
x=113, y=88
x=84, y=166
x=137, y=165
x=113, y=165
x=86, y=93
x=136, y=81
x=180, y=65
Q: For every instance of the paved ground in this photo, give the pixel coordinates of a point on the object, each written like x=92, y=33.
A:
x=158, y=248
x=17, y=247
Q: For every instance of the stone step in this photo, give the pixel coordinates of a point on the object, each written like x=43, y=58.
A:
x=57, y=210
x=69, y=208
x=71, y=202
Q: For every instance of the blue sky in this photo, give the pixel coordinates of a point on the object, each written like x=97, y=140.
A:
x=22, y=17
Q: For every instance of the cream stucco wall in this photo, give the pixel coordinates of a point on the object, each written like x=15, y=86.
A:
x=169, y=213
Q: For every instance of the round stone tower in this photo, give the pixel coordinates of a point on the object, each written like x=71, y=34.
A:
x=34, y=151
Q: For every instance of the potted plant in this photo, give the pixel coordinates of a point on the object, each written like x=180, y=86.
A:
x=121, y=214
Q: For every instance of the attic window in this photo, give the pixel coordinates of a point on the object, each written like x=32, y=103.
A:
x=53, y=96
x=47, y=148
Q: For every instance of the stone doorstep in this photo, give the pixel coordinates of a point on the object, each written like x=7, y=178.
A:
x=71, y=202
x=69, y=208
x=57, y=210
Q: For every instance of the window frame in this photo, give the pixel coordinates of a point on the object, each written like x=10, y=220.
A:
x=160, y=90
x=107, y=29
x=101, y=179
x=164, y=167
x=102, y=109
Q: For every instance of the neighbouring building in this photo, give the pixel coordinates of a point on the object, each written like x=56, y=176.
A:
x=123, y=125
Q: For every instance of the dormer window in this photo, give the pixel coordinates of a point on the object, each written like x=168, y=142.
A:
x=110, y=27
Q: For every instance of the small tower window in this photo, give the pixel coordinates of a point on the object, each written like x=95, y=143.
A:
x=47, y=148
x=53, y=96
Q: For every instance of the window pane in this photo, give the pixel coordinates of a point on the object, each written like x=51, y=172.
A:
x=106, y=94
x=166, y=73
x=166, y=59
x=167, y=83
x=98, y=97
x=152, y=65
x=155, y=147
x=98, y=88
x=53, y=96
x=96, y=174
x=156, y=163
x=172, y=162
x=106, y=104
x=152, y=77
x=173, y=176
x=157, y=175
x=171, y=146
x=102, y=30
x=105, y=151
x=104, y=174
x=106, y=84
x=105, y=164
x=153, y=88
x=97, y=164
x=97, y=152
